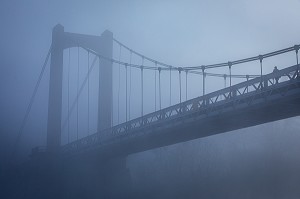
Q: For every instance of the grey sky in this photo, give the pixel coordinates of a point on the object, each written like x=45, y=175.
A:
x=175, y=32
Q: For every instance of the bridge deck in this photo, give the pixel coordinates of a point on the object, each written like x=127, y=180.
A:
x=249, y=103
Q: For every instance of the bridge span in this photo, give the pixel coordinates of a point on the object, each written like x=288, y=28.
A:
x=246, y=104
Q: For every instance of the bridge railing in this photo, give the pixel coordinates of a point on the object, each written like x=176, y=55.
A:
x=202, y=103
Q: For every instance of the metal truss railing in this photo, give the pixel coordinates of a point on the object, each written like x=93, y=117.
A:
x=245, y=93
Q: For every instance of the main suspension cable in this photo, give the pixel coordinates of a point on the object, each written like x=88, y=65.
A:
x=250, y=59
x=171, y=68
x=140, y=55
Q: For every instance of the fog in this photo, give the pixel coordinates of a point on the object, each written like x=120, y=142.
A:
x=257, y=162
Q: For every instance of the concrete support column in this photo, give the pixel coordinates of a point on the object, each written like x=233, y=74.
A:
x=105, y=104
x=55, y=90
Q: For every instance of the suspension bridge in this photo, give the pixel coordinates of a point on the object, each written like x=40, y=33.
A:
x=255, y=99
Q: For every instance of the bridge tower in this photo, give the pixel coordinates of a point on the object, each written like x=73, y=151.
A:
x=101, y=44
x=55, y=89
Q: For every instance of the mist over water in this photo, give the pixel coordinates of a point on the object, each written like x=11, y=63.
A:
x=255, y=162
x=258, y=162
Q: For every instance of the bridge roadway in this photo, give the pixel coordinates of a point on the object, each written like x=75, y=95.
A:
x=246, y=104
